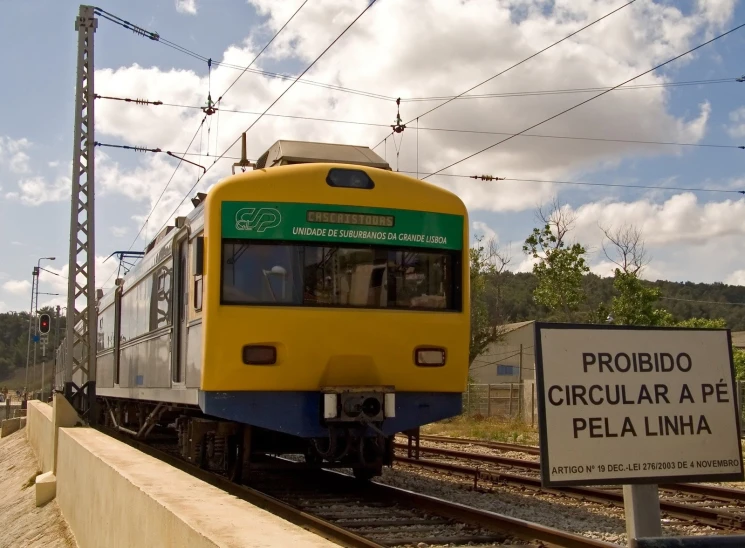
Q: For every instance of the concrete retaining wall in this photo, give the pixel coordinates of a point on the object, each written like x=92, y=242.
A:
x=113, y=495
x=40, y=433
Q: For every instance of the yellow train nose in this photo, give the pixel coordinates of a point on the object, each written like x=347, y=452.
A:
x=351, y=370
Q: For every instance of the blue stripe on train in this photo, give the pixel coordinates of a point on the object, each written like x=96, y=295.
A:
x=299, y=413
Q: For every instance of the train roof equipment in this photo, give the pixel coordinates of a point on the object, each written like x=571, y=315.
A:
x=284, y=153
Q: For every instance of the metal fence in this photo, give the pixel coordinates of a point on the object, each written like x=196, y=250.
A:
x=510, y=400
x=513, y=401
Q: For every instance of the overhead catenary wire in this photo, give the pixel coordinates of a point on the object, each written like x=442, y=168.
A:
x=590, y=99
x=201, y=124
x=450, y=130
x=162, y=193
x=497, y=178
x=260, y=52
x=369, y=5
x=203, y=58
x=333, y=87
x=519, y=63
x=583, y=183
x=508, y=94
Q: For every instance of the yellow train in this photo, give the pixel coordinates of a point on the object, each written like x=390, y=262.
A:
x=316, y=305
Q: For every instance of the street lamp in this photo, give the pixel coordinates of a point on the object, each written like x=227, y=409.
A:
x=34, y=307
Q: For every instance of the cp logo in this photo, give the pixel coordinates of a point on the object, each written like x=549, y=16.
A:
x=250, y=218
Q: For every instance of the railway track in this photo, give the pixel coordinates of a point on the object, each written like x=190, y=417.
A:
x=688, y=511
x=372, y=515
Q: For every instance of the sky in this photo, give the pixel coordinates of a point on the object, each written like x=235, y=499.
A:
x=692, y=218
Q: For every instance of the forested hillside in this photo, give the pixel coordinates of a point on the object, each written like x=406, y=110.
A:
x=517, y=302
x=14, y=340
x=509, y=298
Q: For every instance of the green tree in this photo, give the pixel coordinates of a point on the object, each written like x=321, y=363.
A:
x=486, y=261
x=560, y=267
x=636, y=302
x=703, y=323
x=738, y=356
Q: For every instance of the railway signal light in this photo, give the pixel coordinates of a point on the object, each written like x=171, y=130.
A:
x=44, y=323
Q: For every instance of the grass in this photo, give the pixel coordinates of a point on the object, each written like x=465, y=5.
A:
x=483, y=428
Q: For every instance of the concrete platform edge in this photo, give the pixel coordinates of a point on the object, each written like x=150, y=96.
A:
x=112, y=495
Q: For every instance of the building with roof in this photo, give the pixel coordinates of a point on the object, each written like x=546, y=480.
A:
x=502, y=378
x=510, y=359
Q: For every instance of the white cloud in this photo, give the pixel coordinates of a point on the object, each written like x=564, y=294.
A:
x=55, y=281
x=412, y=65
x=119, y=231
x=36, y=190
x=15, y=242
x=12, y=154
x=17, y=287
x=19, y=163
x=186, y=6
x=680, y=219
x=3, y=307
x=482, y=229
x=737, y=128
x=736, y=278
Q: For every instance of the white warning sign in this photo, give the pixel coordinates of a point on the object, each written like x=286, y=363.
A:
x=623, y=404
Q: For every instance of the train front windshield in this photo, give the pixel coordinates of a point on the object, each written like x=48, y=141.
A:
x=340, y=276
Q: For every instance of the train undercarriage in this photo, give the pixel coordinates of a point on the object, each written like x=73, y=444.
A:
x=236, y=449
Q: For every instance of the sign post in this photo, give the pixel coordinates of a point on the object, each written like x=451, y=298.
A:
x=636, y=406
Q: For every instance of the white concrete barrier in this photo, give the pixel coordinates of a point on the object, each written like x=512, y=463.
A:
x=40, y=433
x=113, y=495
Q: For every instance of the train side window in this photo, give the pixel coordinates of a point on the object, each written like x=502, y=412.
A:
x=198, y=287
x=199, y=256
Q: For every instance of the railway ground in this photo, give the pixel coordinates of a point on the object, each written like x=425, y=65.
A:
x=504, y=478
x=21, y=522
x=411, y=505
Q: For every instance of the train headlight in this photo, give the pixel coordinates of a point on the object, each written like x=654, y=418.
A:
x=349, y=178
x=429, y=357
x=259, y=355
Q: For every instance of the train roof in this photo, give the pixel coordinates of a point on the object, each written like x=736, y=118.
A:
x=284, y=153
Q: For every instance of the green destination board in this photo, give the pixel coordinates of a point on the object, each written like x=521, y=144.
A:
x=341, y=224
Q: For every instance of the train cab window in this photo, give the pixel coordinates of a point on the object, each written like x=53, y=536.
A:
x=360, y=276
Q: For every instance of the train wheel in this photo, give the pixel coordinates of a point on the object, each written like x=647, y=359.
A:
x=365, y=474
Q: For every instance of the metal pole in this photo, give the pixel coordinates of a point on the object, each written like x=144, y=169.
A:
x=532, y=404
x=81, y=288
x=55, y=350
x=36, y=322
x=30, y=325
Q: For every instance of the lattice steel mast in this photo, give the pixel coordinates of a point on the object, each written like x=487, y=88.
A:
x=80, y=362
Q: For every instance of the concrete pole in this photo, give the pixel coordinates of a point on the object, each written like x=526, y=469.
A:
x=642, y=507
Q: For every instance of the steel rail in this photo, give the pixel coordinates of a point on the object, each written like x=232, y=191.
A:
x=500, y=446
x=711, y=491
x=307, y=521
x=489, y=520
x=705, y=516
x=481, y=518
